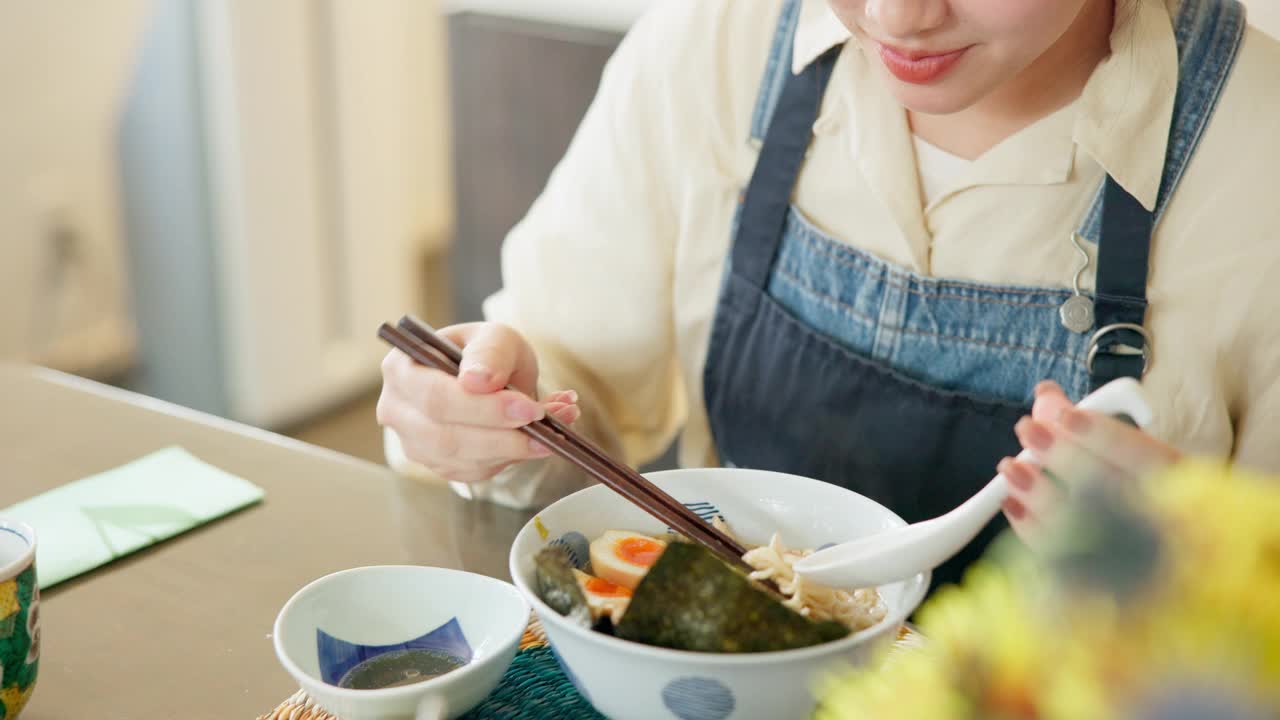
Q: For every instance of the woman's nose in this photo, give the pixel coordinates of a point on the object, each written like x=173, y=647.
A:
x=906, y=18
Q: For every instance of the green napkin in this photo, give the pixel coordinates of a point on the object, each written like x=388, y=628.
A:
x=93, y=521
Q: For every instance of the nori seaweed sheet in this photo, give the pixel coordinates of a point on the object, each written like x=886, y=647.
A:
x=557, y=586
x=692, y=600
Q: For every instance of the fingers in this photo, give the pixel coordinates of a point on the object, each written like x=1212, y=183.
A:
x=1014, y=509
x=1050, y=401
x=1036, y=493
x=567, y=414
x=1032, y=498
x=1121, y=445
x=1032, y=493
x=457, y=451
x=1026, y=524
x=1022, y=476
x=465, y=453
x=466, y=428
x=442, y=399
x=563, y=406
x=1047, y=386
x=1058, y=428
x=1068, y=446
x=1084, y=445
x=568, y=397
x=493, y=357
x=1035, y=435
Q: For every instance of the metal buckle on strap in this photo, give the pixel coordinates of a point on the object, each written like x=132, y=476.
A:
x=1095, y=343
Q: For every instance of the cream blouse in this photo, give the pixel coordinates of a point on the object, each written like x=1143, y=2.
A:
x=614, y=273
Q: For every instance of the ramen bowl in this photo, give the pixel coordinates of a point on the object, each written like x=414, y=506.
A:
x=349, y=619
x=631, y=681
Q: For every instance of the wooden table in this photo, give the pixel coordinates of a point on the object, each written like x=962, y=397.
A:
x=182, y=630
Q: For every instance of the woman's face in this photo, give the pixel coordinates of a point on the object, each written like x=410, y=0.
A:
x=942, y=56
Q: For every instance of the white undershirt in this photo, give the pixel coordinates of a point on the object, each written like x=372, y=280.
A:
x=939, y=170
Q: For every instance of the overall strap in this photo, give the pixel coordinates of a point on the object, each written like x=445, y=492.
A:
x=1209, y=33
x=786, y=141
x=776, y=71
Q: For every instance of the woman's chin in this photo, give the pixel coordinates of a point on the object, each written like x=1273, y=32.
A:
x=942, y=98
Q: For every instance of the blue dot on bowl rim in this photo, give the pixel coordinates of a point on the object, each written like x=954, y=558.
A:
x=698, y=698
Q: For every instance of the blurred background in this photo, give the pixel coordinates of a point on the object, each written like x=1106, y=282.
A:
x=216, y=202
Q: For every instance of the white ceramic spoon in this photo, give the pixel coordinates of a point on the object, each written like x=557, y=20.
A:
x=903, y=552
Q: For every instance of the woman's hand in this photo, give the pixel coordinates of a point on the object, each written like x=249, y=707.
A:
x=1072, y=445
x=464, y=428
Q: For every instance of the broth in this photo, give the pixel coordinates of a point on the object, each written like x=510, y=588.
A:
x=400, y=667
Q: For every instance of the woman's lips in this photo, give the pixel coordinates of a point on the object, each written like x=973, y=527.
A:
x=918, y=66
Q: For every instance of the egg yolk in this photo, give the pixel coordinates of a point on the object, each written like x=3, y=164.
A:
x=604, y=588
x=638, y=551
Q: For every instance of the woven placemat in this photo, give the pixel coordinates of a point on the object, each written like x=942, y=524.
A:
x=533, y=688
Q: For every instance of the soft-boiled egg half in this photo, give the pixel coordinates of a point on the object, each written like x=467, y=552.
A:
x=603, y=597
x=623, y=557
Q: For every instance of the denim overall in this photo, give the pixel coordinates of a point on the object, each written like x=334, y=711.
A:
x=829, y=363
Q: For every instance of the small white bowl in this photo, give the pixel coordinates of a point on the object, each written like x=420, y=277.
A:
x=630, y=681
x=365, y=611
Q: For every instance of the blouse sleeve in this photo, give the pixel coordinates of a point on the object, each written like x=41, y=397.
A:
x=1257, y=419
x=587, y=274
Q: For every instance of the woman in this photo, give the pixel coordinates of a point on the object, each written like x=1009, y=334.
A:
x=847, y=240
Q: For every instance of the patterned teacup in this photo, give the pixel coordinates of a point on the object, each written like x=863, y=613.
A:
x=19, y=617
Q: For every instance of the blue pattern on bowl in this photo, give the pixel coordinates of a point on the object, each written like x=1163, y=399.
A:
x=579, y=549
x=337, y=657
x=698, y=698
x=705, y=510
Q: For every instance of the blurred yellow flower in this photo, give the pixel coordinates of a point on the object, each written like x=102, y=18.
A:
x=1164, y=597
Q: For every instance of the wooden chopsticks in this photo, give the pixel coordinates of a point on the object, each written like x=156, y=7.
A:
x=417, y=340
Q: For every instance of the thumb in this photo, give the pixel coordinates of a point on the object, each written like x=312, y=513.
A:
x=494, y=356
